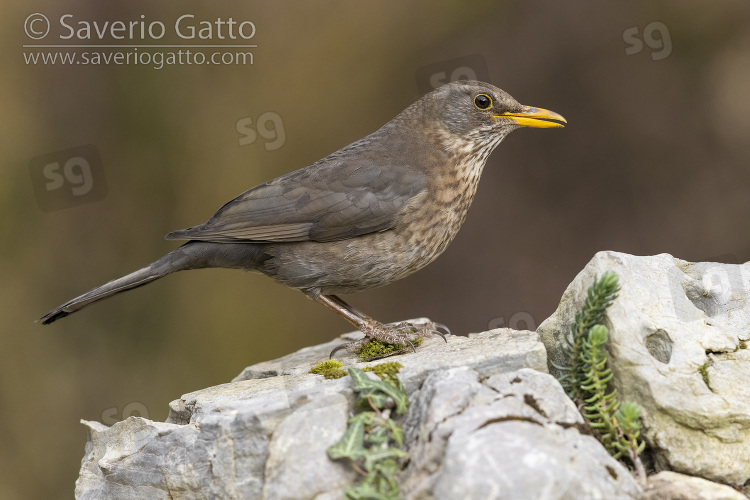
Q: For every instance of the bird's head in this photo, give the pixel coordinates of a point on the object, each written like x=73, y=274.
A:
x=479, y=112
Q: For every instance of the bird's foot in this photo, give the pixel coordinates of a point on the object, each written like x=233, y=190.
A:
x=404, y=332
x=383, y=340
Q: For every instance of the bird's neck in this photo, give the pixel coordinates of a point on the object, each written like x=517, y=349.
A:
x=466, y=158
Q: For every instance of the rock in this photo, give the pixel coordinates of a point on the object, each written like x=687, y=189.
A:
x=494, y=351
x=678, y=338
x=297, y=451
x=265, y=434
x=485, y=419
x=668, y=485
x=512, y=436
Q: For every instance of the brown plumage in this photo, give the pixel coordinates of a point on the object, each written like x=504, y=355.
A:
x=371, y=213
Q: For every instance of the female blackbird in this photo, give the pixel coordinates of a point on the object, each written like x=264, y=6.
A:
x=373, y=212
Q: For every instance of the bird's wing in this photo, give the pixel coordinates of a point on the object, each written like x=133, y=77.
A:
x=332, y=201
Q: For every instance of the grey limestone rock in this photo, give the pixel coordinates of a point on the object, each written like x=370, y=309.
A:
x=265, y=434
x=485, y=419
x=667, y=485
x=494, y=351
x=513, y=435
x=678, y=342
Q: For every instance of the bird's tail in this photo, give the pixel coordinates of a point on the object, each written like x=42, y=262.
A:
x=192, y=255
x=132, y=280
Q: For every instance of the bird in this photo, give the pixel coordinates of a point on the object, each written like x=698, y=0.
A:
x=369, y=214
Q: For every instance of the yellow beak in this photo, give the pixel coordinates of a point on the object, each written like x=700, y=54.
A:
x=535, y=117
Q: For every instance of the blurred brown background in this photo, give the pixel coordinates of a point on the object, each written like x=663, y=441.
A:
x=655, y=159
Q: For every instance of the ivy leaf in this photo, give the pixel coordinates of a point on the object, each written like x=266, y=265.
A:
x=366, y=386
x=374, y=457
x=376, y=399
x=351, y=444
x=367, y=418
x=367, y=492
x=397, y=432
x=378, y=436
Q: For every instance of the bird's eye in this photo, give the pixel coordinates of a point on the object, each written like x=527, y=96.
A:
x=482, y=101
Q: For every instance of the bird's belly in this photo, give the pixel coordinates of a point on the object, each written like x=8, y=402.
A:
x=424, y=231
x=359, y=263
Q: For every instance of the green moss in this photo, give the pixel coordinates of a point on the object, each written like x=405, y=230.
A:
x=329, y=369
x=385, y=370
x=703, y=370
x=325, y=365
x=376, y=349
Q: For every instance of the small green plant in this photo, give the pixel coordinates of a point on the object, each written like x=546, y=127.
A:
x=586, y=376
x=599, y=297
x=618, y=425
x=329, y=369
x=376, y=349
x=373, y=438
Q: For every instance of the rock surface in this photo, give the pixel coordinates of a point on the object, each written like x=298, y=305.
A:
x=265, y=434
x=678, y=346
x=668, y=485
x=483, y=420
x=508, y=436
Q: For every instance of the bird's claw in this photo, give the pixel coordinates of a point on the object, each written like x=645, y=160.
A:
x=352, y=346
x=439, y=333
x=443, y=327
x=395, y=334
x=338, y=348
x=401, y=333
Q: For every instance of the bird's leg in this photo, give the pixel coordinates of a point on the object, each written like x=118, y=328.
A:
x=394, y=333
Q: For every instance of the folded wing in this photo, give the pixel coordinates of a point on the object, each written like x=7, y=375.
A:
x=323, y=202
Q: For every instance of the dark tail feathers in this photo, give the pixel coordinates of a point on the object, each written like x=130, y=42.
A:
x=191, y=255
